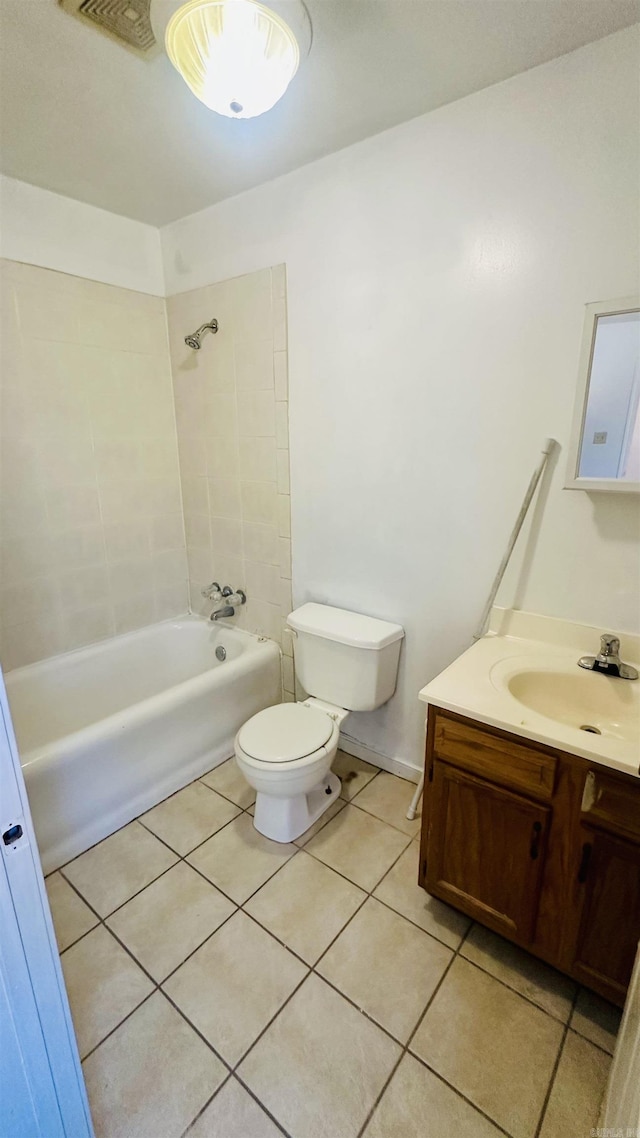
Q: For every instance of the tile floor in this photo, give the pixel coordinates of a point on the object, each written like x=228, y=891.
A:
x=224, y=986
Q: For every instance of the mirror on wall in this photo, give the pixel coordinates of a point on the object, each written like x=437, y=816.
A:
x=605, y=441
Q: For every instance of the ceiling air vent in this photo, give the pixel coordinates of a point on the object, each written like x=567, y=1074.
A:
x=127, y=21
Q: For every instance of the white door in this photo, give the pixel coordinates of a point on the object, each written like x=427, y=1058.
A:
x=622, y=1100
x=41, y=1085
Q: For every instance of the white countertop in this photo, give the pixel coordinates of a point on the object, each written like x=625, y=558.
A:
x=477, y=685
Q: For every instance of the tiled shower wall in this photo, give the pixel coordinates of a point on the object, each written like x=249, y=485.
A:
x=91, y=528
x=233, y=438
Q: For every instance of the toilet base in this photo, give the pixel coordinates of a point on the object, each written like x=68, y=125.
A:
x=284, y=819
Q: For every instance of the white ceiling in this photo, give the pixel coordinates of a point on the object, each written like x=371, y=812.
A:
x=82, y=116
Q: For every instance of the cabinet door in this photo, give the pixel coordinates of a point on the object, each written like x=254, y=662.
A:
x=485, y=851
x=608, y=871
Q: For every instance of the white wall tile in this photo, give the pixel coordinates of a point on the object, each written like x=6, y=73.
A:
x=256, y=413
x=166, y=531
x=125, y=541
x=281, y=376
x=134, y=612
x=90, y=474
x=258, y=459
x=222, y=457
x=224, y=498
x=261, y=543
x=81, y=588
x=198, y=531
x=226, y=536
x=262, y=581
x=230, y=426
x=282, y=426
x=254, y=361
x=284, y=556
x=259, y=502
x=282, y=460
x=284, y=516
x=25, y=643
x=87, y=626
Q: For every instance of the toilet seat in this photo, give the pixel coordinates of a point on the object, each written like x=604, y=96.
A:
x=285, y=733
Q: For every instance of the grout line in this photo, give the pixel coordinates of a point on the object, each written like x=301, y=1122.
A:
x=459, y=1094
x=587, y=1039
x=406, y=1046
x=516, y=992
x=555, y=1068
x=262, y=1106
x=206, y=1105
x=196, y=1029
x=118, y=1025
x=311, y=969
x=138, y=818
x=136, y=894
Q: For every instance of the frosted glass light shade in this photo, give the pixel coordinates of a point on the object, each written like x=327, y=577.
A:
x=237, y=56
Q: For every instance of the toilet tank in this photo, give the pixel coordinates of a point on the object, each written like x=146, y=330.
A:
x=345, y=658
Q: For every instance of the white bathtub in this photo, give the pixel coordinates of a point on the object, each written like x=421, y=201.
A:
x=106, y=732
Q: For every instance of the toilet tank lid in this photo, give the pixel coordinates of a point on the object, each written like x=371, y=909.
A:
x=345, y=627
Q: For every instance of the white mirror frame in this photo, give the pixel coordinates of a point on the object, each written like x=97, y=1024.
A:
x=573, y=481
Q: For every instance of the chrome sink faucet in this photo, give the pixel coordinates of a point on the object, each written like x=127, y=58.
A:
x=608, y=660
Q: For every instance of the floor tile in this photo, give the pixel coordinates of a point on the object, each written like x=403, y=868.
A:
x=578, y=1089
x=165, y=923
x=189, y=817
x=152, y=1076
x=111, y=872
x=532, y=978
x=228, y=780
x=305, y=905
x=596, y=1019
x=232, y=986
x=103, y=984
x=321, y=1065
x=336, y=806
x=416, y=1094
x=388, y=967
x=358, y=846
x=491, y=1045
x=388, y=797
x=354, y=774
x=233, y=1114
x=401, y=891
x=239, y=859
x=71, y=917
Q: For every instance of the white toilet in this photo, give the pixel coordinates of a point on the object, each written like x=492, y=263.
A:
x=348, y=662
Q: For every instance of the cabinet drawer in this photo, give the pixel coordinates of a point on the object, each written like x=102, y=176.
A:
x=612, y=803
x=496, y=757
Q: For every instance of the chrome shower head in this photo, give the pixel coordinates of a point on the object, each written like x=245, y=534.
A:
x=195, y=339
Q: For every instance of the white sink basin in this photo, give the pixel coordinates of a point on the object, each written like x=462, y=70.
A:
x=523, y=678
x=586, y=701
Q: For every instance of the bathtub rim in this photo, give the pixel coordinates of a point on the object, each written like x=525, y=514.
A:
x=170, y=697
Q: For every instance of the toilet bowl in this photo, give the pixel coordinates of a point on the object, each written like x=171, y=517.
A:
x=349, y=662
x=285, y=753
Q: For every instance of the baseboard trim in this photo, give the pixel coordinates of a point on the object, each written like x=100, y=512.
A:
x=384, y=762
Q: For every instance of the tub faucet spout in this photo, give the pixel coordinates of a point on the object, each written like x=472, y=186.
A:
x=222, y=613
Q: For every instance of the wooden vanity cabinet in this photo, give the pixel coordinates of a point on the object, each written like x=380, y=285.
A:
x=541, y=846
x=500, y=888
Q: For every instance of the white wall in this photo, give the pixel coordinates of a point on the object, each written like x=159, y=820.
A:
x=91, y=527
x=46, y=229
x=437, y=275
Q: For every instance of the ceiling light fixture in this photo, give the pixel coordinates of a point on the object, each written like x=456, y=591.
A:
x=237, y=56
